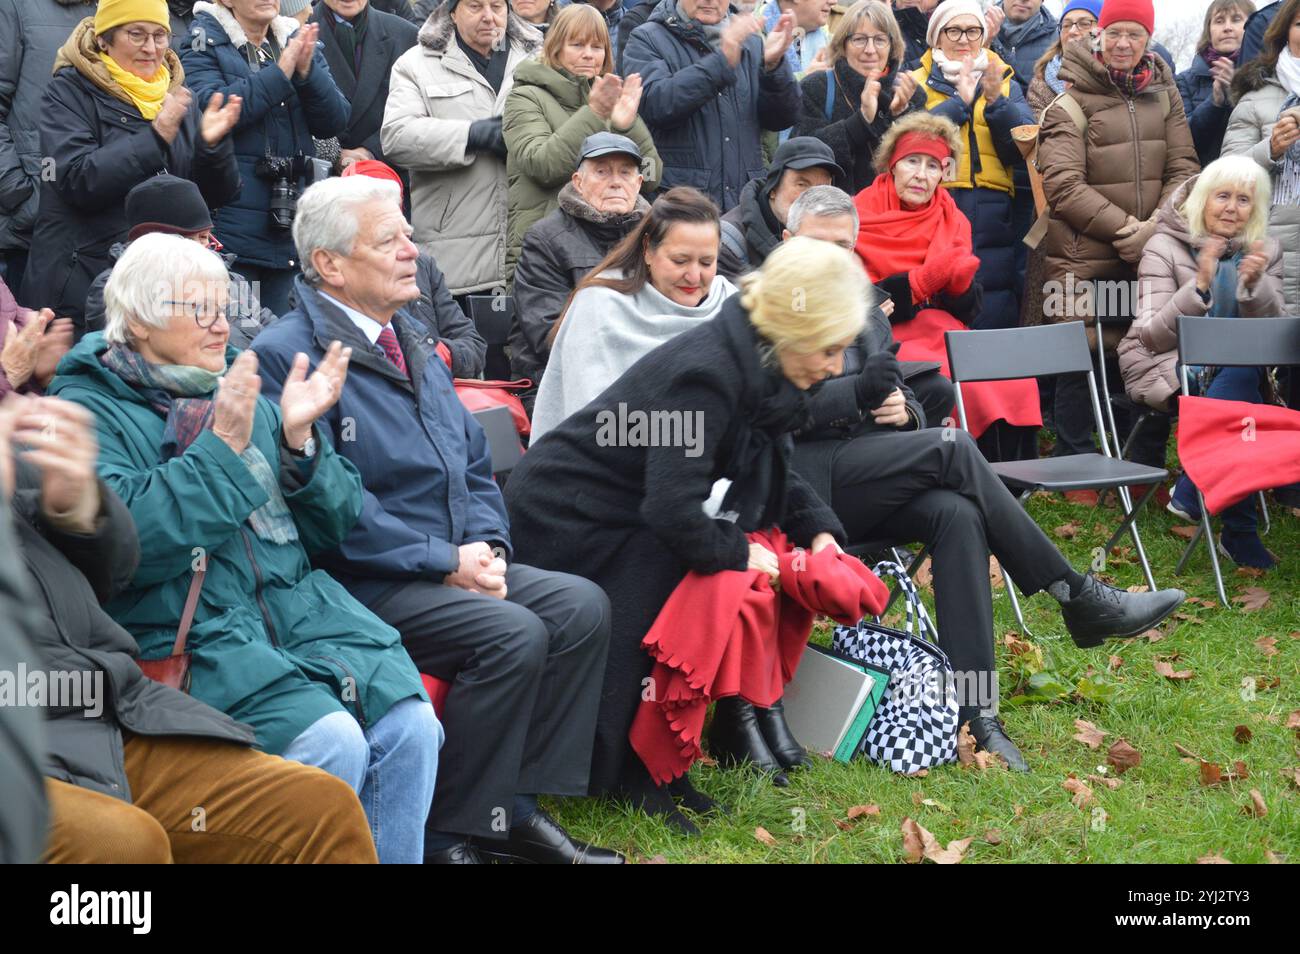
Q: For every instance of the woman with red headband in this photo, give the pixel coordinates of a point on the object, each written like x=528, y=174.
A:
x=916, y=245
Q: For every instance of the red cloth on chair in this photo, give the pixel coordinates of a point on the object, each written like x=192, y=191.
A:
x=1015, y=401
x=730, y=633
x=1219, y=457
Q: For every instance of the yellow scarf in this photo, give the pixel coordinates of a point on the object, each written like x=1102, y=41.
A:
x=147, y=95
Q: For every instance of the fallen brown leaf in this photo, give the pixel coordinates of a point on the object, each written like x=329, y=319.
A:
x=1273, y=858
x=1211, y=773
x=842, y=825
x=1267, y=645
x=765, y=836
x=1088, y=734
x=917, y=799
x=1067, y=531
x=1183, y=531
x=1152, y=636
x=1253, y=598
x=965, y=745
x=1115, y=662
x=1123, y=756
x=1253, y=572
x=988, y=760
x=857, y=811
x=995, y=574
x=1212, y=860
x=993, y=836
x=1186, y=752
x=1163, y=668
x=1256, y=808
x=1081, y=792
x=1109, y=781
x=1292, y=775
x=923, y=575
x=1242, y=734
x=1237, y=773
x=1138, y=588
x=1263, y=683
x=919, y=843
x=1293, y=720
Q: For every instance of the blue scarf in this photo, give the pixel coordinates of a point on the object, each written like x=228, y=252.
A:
x=1052, y=74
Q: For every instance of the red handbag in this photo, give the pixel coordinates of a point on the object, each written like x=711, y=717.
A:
x=480, y=395
x=174, y=670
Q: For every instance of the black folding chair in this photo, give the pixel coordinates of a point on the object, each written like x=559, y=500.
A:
x=1040, y=351
x=503, y=439
x=1231, y=343
x=494, y=316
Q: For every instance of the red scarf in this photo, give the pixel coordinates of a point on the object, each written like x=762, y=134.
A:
x=892, y=239
x=731, y=633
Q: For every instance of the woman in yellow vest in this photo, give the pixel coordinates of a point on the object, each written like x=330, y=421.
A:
x=970, y=85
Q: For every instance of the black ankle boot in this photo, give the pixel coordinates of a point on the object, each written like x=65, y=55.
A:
x=688, y=796
x=639, y=790
x=1100, y=612
x=735, y=738
x=779, y=738
x=989, y=735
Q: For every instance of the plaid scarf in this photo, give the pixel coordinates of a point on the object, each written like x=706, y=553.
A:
x=182, y=395
x=1132, y=82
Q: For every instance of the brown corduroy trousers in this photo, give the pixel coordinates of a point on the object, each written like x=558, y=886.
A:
x=204, y=801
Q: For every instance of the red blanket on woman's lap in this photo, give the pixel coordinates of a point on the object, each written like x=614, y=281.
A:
x=1015, y=402
x=730, y=633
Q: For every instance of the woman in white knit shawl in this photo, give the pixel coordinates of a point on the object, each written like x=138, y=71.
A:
x=658, y=282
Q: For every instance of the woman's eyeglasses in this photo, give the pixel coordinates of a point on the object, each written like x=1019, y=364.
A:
x=138, y=38
x=957, y=34
x=859, y=41
x=205, y=315
x=1082, y=25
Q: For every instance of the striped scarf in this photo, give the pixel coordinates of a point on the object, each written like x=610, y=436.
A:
x=1286, y=186
x=182, y=395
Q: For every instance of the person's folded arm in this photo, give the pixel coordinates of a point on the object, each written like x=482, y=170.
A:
x=671, y=97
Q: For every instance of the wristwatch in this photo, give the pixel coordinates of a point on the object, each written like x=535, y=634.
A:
x=306, y=452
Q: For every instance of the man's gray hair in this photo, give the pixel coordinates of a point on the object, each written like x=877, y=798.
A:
x=155, y=269
x=820, y=202
x=328, y=216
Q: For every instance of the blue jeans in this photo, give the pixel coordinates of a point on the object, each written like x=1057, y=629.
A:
x=391, y=766
x=1230, y=384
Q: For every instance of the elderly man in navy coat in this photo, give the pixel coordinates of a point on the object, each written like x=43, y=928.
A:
x=523, y=648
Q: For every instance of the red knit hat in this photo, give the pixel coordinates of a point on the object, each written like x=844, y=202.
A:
x=1136, y=11
x=912, y=143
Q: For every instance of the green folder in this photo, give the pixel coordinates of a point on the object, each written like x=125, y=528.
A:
x=858, y=728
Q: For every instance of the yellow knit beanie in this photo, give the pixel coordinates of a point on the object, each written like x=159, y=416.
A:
x=113, y=13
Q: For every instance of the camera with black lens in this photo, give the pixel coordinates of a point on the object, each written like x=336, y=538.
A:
x=282, y=173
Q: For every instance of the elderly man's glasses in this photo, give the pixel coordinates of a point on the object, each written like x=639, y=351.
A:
x=860, y=41
x=957, y=34
x=138, y=38
x=205, y=315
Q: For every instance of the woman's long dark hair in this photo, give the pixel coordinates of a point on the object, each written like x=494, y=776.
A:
x=680, y=204
x=1250, y=76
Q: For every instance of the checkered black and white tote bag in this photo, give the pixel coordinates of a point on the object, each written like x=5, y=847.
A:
x=915, y=726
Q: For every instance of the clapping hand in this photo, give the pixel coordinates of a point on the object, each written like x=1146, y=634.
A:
x=604, y=96
x=34, y=351
x=778, y=41
x=174, y=107
x=904, y=90
x=820, y=63
x=623, y=115
x=1222, y=70
x=303, y=399
x=59, y=438
x=870, y=100
x=966, y=82
x=993, y=19
x=1252, y=265
x=220, y=118
x=236, y=402
x=992, y=83
x=1207, y=262
x=739, y=29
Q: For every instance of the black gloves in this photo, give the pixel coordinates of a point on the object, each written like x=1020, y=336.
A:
x=485, y=136
x=879, y=376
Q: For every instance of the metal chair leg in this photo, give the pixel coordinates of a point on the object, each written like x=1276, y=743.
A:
x=1210, y=545
x=1015, y=602
x=1263, y=509
x=1189, y=550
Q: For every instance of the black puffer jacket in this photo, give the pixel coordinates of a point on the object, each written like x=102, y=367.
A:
x=749, y=231
x=845, y=130
x=74, y=574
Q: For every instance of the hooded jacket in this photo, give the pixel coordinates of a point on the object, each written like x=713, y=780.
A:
x=458, y=197
x=558, y=252
x=1132, y=160
x=707, y=117
x=1148, y=355
x=279, y=118
x=274, y=644
x=99, y=148
x=546, y=120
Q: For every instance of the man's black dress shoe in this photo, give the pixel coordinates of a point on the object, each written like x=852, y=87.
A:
x=540, y=841
x=989, y=735
x=461, y=854
x=1102, y=612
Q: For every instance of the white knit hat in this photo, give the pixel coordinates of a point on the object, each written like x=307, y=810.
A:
x=947, y=11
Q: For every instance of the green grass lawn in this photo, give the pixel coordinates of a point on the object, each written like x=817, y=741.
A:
x=1160, y=812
